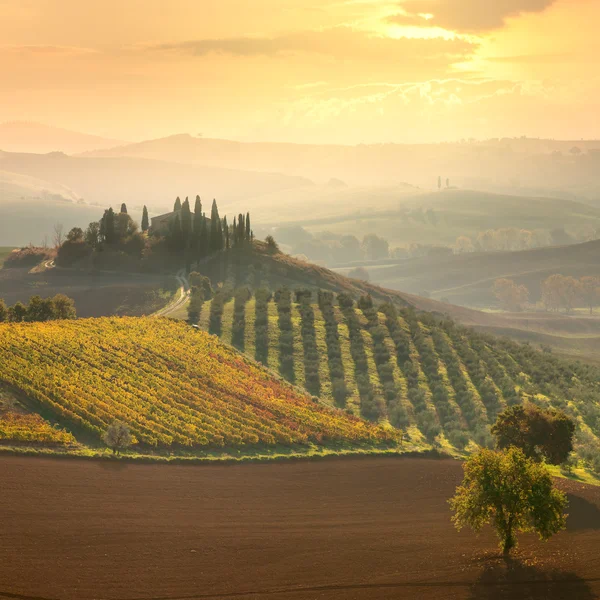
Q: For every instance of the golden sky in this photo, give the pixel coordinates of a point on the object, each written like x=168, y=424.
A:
x=343, y=71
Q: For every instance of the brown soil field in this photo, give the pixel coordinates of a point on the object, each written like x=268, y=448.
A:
x=347, y=529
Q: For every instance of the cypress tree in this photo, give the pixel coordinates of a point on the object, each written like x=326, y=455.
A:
x=176, y=233
x=124, y=208
x=204, y=237
x=145, y=220
x=198, y=215
x=240, y=231
x=220, y=236
x=215, y=226
x=226, y=231
x=197, y=227
x=186, y=222
x=177, y=205
x=234, y=231
x=247, y=226
x=107, y=226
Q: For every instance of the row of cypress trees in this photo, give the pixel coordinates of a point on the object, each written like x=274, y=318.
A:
x=198, y=236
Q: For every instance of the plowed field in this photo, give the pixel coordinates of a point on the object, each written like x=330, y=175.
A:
x=348, y=529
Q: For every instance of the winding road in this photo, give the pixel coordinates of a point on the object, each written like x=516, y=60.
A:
x=183, y=295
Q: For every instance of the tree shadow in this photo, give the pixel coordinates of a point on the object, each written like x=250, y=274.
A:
x=511, y=578
x=582, y=514
x=113, y=465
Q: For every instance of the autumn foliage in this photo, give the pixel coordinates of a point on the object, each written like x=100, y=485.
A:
x=170, y=384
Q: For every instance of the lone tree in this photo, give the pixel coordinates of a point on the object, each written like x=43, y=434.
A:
x=117, y=437
x=510, y=492
x=272, y=246
x=539, y=433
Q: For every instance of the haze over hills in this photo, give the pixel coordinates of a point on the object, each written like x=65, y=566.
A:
x=24, y=136
x=405, y=215
x=564, y=168
x=37, y=190
x=31, y=207
x=468, y=278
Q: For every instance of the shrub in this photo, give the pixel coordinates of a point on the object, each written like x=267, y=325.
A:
x=117, y=437
x=26, y=257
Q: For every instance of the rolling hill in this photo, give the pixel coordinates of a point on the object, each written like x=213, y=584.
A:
x=403, y=217
x=177, y=389
x=468, y=279
x=30, y=208
x=490, y=164
x=138, y=181
x=21, y=136
x=574, y=336
x=414, y=369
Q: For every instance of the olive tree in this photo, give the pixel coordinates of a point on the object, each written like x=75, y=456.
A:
x=117, y=437
x=540, y=433
x=510, y=492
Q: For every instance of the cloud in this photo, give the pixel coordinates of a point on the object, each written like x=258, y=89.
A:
x=533, y=59
x=418, y=111
x=466, y=16
x=41, y=50
x=338, y=42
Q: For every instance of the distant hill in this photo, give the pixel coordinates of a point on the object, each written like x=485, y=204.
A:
x=22, y=136
x=468, y=278
x=176, y=388
x=403, y=216
x=105, y=181
x=31, y=207
x=547, y=166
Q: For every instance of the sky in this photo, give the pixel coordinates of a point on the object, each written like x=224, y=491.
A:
x=306, y=71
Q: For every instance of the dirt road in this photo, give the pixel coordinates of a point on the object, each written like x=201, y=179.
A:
x=181, y=297
x=356, y=529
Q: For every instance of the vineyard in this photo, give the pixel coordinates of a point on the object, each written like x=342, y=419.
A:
x=417, y=371
x=31, y=428
x=174, y=386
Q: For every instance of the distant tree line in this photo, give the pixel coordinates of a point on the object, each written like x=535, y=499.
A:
x=558, y=292
x=332, y=248
x=512, y=239
x=38, y=309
